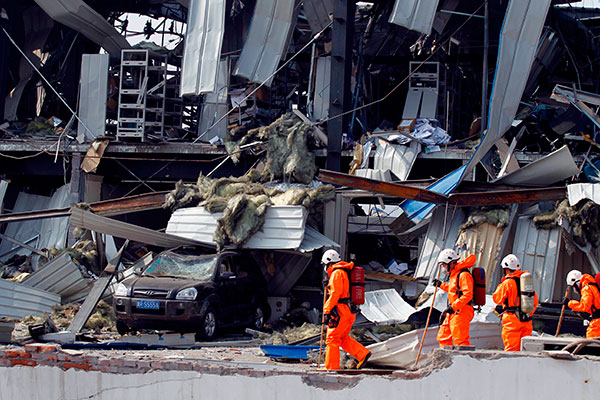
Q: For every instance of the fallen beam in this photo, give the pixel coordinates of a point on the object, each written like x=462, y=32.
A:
x=394, y=189
x=508, y=196
x=124, y=205
x=92, y=299
x=124, y=230
x=112, y=207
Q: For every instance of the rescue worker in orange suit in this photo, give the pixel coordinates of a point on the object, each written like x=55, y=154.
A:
x=456, y=319
x=338, y=316
x=507, y=297
x=586, y=285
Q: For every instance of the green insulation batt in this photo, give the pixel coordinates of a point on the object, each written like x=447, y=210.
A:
x=244, y=202
x=496, y=216
x=288, y=157
x=583, y=217
x=102, y=320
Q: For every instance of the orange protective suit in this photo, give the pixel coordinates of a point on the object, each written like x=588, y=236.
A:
x=455, y=328
x=339, y=288
x=590, y=301
x=512, y=328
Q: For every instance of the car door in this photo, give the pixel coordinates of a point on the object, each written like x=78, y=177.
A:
x=244, y=287
x=226, y=280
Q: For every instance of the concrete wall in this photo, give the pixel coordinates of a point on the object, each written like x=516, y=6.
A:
x=460, y=376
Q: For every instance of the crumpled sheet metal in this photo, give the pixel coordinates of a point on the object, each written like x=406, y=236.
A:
x=550, y=169
x=268, y=39
x=61, y=276
x=202, y=51
x=401, y=351
x=386, y=307
x=519, y=39
x=82, y=18
x=416, y=15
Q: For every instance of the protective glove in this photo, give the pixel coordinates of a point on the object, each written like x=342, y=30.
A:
x=499, y=309
x=326, y=319
x=449, y=310
x=443, y=317
x=437, y=283
x=565, y=301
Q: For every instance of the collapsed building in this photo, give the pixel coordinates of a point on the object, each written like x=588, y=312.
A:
x=388, y=130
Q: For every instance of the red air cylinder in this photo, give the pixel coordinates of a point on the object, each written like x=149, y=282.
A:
x=357, y=285
x=479, y=290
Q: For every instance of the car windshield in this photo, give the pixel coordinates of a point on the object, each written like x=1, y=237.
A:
x=180, y=266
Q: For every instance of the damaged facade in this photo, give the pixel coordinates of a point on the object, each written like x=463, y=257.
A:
x=388, y=130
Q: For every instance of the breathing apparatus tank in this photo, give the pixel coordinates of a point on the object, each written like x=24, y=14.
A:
x=479, y=289
x=357, y=285
x=527, y=293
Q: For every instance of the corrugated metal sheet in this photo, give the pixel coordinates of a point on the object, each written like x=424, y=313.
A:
x=518, y=45
x=92, y=96
x=283, y=227
x=3, y=187
x=61, y=276
x=322, y=84
x=435, y=242
x=416, y=15
x=317, y=13
x=109, y=226
x=202, y=51
x=580, y=191
x=483, y=241
x=49, y=232
x=268, y=39
x=18, y=301
x=397, y=158
x=335, y=221
x=82, y=18
x=555, y=167
x=538, y=251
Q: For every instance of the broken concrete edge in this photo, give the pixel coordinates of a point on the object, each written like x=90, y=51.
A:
x=117, y=362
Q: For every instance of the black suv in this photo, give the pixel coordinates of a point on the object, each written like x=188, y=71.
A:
x=193, y=293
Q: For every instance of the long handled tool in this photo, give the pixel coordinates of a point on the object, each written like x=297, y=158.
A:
x=322, y=327
x=428, y=318
x=562, y=314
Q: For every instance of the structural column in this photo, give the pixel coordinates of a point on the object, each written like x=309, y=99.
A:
x=341, y=69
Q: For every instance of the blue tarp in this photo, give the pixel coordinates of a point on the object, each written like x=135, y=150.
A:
x=284, y=351
x=417, y=210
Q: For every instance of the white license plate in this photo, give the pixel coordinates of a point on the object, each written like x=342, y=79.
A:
x=147, y=304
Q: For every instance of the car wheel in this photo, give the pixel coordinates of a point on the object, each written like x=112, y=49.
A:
x=260, y=317
x=122, y=328
x=208, y=328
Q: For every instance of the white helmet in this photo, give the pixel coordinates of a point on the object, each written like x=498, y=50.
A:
x=330, y=256
x=573, y=277
x=511, y=262
x=447, y=255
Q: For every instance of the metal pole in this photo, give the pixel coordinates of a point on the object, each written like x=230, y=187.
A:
x=428, y=318
x=484, y=83
x=309, y=106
